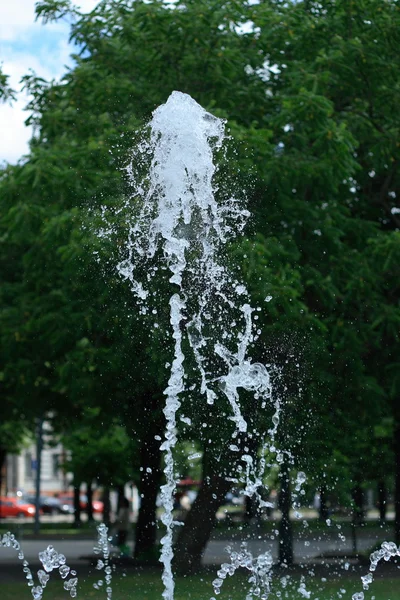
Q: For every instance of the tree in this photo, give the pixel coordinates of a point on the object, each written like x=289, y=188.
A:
x=6, y=92
x=62, y=322
x=313, y=118
x=345, y=53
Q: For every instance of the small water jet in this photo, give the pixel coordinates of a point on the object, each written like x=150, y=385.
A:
x=386, y=552
x=51, y=561
x=57, y=562
x=260, y=572
x=103, y=564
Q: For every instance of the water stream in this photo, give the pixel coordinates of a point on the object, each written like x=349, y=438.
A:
x=180, y=220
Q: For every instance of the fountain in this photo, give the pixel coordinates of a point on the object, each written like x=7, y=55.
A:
x=54, y=561
x=51, y=561
x=175, y=216
x=176, y=225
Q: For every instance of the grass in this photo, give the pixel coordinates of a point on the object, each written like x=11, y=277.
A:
x=313, y=526
x=64, y=529
x=148, y=586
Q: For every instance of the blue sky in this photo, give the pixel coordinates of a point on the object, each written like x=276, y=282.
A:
x=27, y=44
x=24, y=45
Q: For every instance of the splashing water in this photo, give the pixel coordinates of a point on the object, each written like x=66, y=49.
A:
x=51, y=560
x=260, y=572
x=386, y=552
x=8, y=540
x=54, y=561
x=103, y=548
x=180, y=223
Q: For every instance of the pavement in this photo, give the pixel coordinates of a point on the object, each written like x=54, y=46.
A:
x=306, y=549
x=332, y=548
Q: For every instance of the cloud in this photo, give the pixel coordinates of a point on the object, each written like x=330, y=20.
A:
x=17, y=21
x=14, y=135
x=27, y=44
x=20, y=13
x=47, y=60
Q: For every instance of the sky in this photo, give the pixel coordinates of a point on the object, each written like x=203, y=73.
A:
x=27, y=44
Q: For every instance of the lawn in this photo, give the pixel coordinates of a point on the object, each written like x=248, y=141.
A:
x=147, y=586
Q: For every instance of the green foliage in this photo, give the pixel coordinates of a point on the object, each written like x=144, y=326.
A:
x=6, y=93
x=53, y=10
x=311, y=94
x=108, y=457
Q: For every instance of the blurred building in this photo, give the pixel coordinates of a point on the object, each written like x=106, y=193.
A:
x=20, y=471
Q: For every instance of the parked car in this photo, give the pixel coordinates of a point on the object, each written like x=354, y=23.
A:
x=68, y=498
x=50, y=505
x=16, y=507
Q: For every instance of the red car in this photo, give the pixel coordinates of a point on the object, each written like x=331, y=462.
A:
x=15, y=507
x=83, y=501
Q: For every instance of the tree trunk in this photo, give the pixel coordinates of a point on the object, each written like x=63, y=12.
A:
x=397, y=482
x=285, y=525
x=354, y=537
x=120, y=496
x=382, y=501
x=106, y=506
x=38, y=475
x=251, y=509
x=323, y=506
x=77, y=505
x=358, y=504
x=89, y=509
x=146, y=549
x=3, y=455
x=199, y=523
